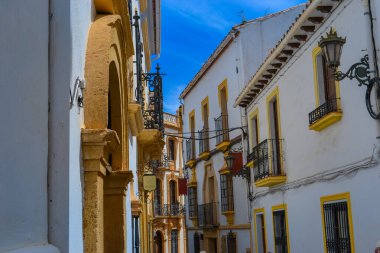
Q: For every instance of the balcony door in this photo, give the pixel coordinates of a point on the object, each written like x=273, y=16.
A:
x=274, y=140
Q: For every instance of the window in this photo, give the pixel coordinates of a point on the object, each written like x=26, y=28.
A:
x=324, y=78
x=174, y=241
x=135, y=235
x=193, y=202
x=254, y=128
x=274, y=133
x=280, y=229
x=221, y=123
x=157, y=198
x=171, y=150
x=203, y=134
x=227, y=194
x=173, y=192
x=260, y=236
x=337, y=224
x=326, y=94
x=192, y=130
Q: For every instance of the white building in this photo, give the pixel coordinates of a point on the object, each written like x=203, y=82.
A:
x=54, y=149
x=169, y=230
x=314, y=145
x=217, y=203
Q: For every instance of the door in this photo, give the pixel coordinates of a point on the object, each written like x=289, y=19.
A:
x=212, y=245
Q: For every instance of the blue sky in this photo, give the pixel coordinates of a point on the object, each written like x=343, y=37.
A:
x=192, y=29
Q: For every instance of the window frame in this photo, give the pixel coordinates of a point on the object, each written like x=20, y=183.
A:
x=317, y=51
x=342, y=197
x=256, y=212
x=172, y=153
x=226, y=192
x=275, y=95
x=254, y=115
x=282, y=207
x=193, y=195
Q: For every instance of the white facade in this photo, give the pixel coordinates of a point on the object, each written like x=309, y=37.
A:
x=232, y=63
x=43, y=52
x=340, y=159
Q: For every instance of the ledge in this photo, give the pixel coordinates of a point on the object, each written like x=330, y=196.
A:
x=191, y=163
x=205, y=155
x=135, y=118
x=229, y=216
x=326, y=121
x=270, y=181
x=223, y=146
x=250, y=164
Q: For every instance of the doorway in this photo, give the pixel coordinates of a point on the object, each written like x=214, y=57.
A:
x=158, y=242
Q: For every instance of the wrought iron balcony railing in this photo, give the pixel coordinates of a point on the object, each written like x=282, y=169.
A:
x=204, y=144
x=221, y=129
x=208, y=215
x=190, y=152
x=175, y=209
x=331, y=105
x=268, y=156
x=154, y=111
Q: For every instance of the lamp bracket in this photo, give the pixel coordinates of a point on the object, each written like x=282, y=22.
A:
x=79, y=86
x=360, y=71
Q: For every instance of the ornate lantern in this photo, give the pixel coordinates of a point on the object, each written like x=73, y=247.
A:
x=331, y=46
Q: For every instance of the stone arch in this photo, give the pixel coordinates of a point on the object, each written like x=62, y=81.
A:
x=106, y=93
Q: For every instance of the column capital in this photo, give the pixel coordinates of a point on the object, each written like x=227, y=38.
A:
x=116, y=182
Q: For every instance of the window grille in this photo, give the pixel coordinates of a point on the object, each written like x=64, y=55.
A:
x=174, y=241
x=280, y=236
x=337, y=229
x=227, y=194
x=193, y=205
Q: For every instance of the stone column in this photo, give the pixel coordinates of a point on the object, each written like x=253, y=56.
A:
x=115, y=185
x=95, y=166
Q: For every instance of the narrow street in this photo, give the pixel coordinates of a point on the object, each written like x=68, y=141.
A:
x=203, y=126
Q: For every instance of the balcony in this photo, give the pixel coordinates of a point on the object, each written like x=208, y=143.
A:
x=152, y=110
x=204, y=144
x=208, y=215
x=190, y=153
x=267, y=162
x=325, y=115
x=168, y=210
x=222, y=133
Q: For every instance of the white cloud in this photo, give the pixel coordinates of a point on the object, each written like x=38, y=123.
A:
x=200, y=12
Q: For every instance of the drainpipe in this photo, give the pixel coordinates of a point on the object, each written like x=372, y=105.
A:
x=373, y=57
x=371, y=42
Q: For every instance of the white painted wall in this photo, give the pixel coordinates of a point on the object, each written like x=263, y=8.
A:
x=70, y=23
x=342, y=144
x=236, y=64
x=24, y=89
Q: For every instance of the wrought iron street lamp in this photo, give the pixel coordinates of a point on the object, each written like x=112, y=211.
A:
x=331, y=46
x=244, y=172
